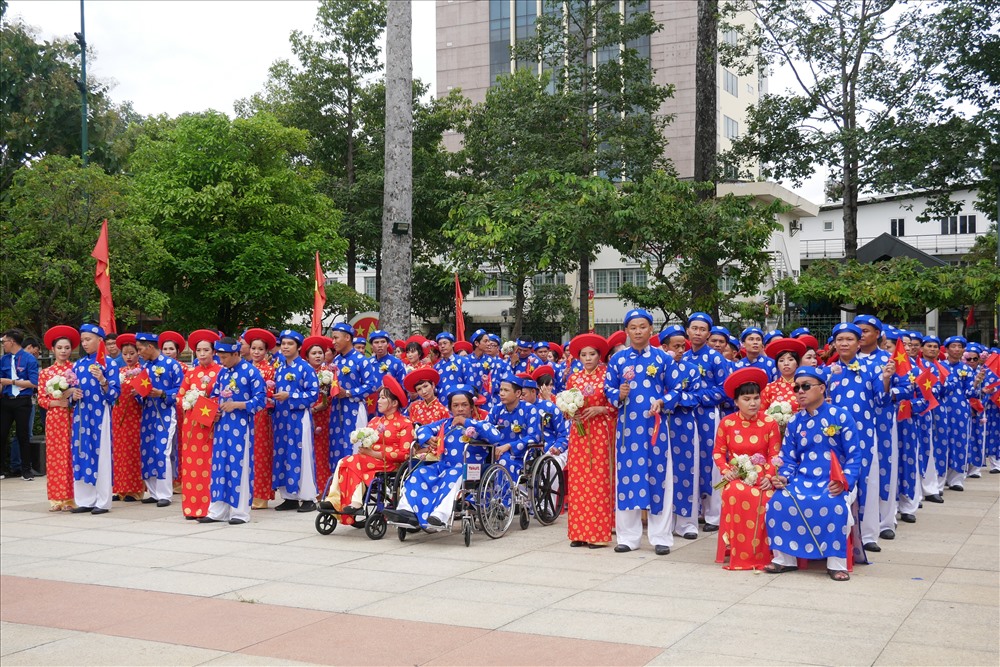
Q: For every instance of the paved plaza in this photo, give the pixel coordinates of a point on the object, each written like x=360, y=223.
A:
x=142, y=586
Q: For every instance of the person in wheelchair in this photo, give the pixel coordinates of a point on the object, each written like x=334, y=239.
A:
x=518, y=422
x=425, y=408
x=354, y=472
x=428, y=495
x=555, y=428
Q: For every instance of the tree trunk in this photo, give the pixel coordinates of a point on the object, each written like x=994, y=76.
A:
x=352, y=261
x=584, y=320
x=706, y=130
x=850, y=207
x=397, y=208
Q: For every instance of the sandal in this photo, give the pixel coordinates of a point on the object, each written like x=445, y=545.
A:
x=774, y=568
x=839, y=575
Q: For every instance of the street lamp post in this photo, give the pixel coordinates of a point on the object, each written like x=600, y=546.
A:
x=996, y=178
x=81, y=38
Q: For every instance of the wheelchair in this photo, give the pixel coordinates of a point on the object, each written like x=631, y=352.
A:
x=541, y=487
x=380, y=493
x=485, y=502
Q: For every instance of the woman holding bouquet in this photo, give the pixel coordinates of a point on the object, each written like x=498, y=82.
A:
x=196, y=439
x=126, y=417
x=787, y=354
x=314, y=351
x=260, y=341
x=54, y=385
x=589, y=453
x=746, y=446
x=354, y=472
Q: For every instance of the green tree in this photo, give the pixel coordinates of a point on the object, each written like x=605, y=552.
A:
x=551, y=305
x=241, y=216
x=866, y=73
x=40, y=102
x=322, y=93
x=597, y=57
x=56, y=207
x=662, y=222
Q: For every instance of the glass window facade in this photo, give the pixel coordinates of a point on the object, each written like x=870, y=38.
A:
x=500, y=38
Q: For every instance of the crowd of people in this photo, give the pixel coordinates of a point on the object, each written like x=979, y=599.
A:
x=788, y=449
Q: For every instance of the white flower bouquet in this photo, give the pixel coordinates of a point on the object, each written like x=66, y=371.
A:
x=363, y=437
x=569, y=403
x=747, y=468
x=780, y=411
x=325, y=377
x=191, y=397
x=508, y=348
x=59, y=384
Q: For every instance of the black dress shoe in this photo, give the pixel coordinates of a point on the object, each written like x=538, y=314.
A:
x=352, y=511
x=307, y=506
x=190, y=517
x=163, y=503
x=935, y=498
x=873, y=547
x=148, y=501
x=710, y=528
x=578, y=543
x=28, y=477
x=622, y=549
x=957, y=487
x=690, y=536
x=287, y=506
x=908, y=518
x=99, y=510
x=236, y=522
x=887, y=534
x=597, y=546
x=995, y=471
x=661, y=550
x=326, y=505
x=434, y=521
x=116, y=497
x=208, y=519
x=81, y=510
x=128, y=499
x=974, y=475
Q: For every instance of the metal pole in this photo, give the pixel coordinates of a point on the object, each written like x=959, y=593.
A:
x=996, y=176
x=82, y=85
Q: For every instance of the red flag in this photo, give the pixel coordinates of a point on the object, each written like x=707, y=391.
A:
x=992, y=362
x=319, y=299
x=996, y=398
x=903, y=365
x=102, y=278
x=905, y=411
x=836, y=472
x=204, y=411
x=976, y=404
x=944, y=373
x=656, y=427
x=459, y=317
x=970, y=319
x=102, y=353
x=925, y=382
x=141, y=383
x=440, y=447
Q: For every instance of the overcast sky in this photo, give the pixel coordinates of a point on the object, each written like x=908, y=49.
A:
x=172, y=56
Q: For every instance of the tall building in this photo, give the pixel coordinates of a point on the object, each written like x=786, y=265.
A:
x=474, y=38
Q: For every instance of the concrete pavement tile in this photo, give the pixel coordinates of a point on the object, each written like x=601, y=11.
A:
x=20, y=637
x=149, y=558
x=759, y=642
x=549, y=576
x=854, y=620
x=290, y=553
x=602, y=627
x=20, y=514
x=29, y=529
x=903, y=653
x=527, y=595
x=887, y=570
x=404, y=564
x=673, y=656
x=197, y=545
x=475, y=613
x=168, y=527
x=237, y=566
x=246, y=534
x=185, y=583
x=247, y=660
x=11, y=563
x=975, y=577
x=366, y=580
x=198, y=624
x=79, y=522
x=976, y=557
x=864, y=584
x=907, y=557
x=347, y=539
x=324, y=598
x=47, y=548
x=823, y=598
x=78, y=571
x=647, y=606
x=952, y=625
x=112, y=538
x=971, y=593
x=683, y=587
x=595, y=560
x=356, y=640
x=90, y=649
x=508, y=648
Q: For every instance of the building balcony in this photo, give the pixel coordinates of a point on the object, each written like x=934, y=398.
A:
x=932, y=244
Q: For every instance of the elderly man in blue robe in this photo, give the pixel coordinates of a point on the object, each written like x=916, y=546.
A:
x=636, y=382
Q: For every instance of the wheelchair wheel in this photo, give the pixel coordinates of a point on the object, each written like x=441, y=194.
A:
x=375, y=526
x=548, y=490
x=401, y=534
x=467, y=531
x=325, y=523
x=524, y=519
x=495, y=503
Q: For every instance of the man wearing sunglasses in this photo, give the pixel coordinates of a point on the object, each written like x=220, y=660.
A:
x=821, y=466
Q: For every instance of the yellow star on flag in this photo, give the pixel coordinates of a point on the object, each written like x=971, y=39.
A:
x=928, y=384
x=145, y=382
x=204, y=411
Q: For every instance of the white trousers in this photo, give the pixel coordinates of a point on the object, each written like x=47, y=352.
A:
x=659, y=527
x=887, y=508
x=99, y=494
x=954, y=478
x=785, y=560
x=220, y=510
x=869, y=517
x=163, y=489
x=929, y=481
x=307, y=479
